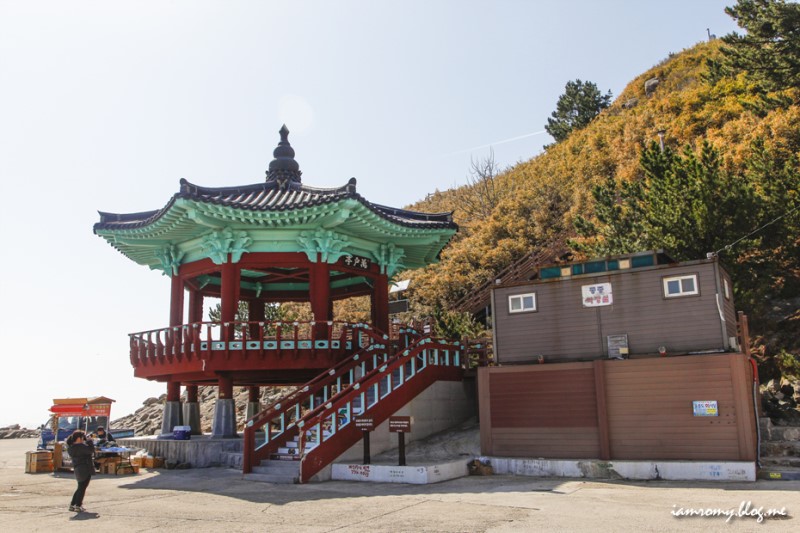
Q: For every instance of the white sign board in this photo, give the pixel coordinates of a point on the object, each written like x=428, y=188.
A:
x=705, y=408
x=597, y=295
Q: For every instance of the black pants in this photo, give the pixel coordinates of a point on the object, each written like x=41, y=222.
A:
x=77, y=498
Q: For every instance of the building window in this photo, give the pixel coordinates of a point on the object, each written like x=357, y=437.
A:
x=680, y=286
x=522, y=303
x=727, y=288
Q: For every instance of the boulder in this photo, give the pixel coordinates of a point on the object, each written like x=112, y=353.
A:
x=650, y=86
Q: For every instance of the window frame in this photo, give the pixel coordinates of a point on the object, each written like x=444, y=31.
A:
x=666, y=279
x=522, y=309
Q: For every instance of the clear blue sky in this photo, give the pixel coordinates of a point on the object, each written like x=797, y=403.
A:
x=106, y=105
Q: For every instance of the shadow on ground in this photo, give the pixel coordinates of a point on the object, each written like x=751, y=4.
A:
x=230, y=483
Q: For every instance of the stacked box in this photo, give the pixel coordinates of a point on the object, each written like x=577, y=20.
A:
x=153, y=462
x=127, y=469
x=108, y=465
x=39, y=461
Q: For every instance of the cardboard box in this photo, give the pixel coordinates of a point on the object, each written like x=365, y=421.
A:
x=153, y=462
x=126, y=469
x=58, y=455
x=38, y=461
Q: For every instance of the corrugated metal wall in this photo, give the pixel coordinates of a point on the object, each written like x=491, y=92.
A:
x=633, y=409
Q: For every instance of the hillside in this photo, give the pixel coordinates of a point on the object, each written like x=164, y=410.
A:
x=755, y=135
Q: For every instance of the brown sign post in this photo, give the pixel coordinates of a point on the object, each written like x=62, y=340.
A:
x=400, y=425
x=365, y=424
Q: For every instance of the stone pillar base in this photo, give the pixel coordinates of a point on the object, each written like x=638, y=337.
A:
x=173, y=416
x=224, y=425
x=253, y=409
x=191, y=417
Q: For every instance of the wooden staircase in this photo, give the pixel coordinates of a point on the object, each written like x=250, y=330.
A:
x=292, y=440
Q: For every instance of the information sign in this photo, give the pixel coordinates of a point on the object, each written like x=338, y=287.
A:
x=365, y=423
x=705, y=408
x=400, y=424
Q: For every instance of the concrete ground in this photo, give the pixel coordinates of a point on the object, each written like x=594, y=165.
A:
x=217, y=499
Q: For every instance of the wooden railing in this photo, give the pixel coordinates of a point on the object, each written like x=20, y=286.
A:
x=478, y=351
x=206, y=340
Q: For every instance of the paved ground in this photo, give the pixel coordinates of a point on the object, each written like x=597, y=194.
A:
x=218, y=499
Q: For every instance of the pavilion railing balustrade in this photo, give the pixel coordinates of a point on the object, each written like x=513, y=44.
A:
x=207, y=339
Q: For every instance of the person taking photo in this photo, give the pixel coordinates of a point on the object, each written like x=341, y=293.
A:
x=81, y=451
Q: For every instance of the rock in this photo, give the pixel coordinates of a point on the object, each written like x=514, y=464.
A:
x=15, y=431
x=650, y=86
x=147, y=419
x=630, y=103
x=773, y=385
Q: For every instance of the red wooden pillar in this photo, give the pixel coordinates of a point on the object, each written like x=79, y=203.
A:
x=176, y=302
x=253, y=402
x=320, y=289
x=173, y=391
x=256, y=313
x=229, y=296
x=191, y=410
x=173, y=412
x=380, y=303
x=225, y=384
x=195, y=307
x=191, y=393
x=253, y=394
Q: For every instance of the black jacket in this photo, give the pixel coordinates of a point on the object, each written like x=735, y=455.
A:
x=82, y=460
x=105, y=439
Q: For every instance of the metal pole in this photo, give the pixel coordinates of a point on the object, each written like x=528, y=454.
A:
x=366, y=448
x=401, y=445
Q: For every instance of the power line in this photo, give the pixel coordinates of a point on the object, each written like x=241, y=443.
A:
x=731, y=245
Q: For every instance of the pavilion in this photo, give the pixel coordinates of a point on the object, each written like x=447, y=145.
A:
x=261, y=244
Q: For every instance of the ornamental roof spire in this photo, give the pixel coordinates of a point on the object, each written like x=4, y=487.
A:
x=284, y=170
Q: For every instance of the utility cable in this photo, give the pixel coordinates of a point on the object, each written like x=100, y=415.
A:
x=731, y=245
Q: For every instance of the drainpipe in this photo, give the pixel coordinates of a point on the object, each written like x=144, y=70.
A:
x=718, y=299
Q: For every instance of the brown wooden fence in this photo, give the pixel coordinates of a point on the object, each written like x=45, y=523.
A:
x=608, y=409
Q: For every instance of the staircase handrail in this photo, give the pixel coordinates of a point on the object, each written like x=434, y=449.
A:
x=311, y=387
x=285, y=404
x=513, y=272
x=323, y=411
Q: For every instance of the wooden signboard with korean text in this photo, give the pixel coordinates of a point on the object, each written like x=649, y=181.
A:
x=400, y=424
x=365, y=423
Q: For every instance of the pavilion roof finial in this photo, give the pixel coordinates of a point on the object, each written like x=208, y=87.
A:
x=284, y=170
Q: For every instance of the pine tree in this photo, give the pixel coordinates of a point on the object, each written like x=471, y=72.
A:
x=770, y=50
x=576, y=108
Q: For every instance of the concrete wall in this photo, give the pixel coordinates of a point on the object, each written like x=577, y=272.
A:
x=200, y=451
